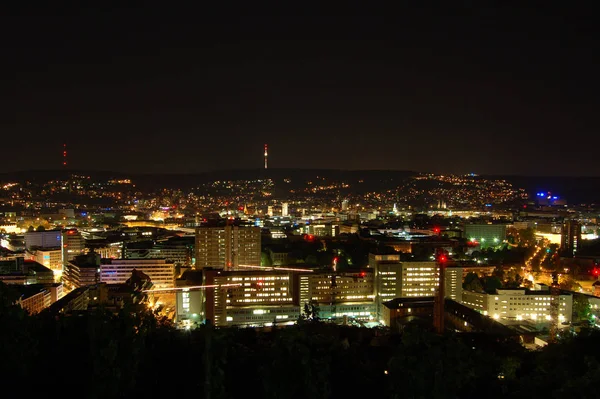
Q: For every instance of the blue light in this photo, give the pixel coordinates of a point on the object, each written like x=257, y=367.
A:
x=554, y=198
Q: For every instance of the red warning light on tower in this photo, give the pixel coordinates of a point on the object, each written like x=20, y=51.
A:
x=442, y=259
x=65, y=154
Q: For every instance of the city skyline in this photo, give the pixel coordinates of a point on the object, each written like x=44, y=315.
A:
x=492, y=91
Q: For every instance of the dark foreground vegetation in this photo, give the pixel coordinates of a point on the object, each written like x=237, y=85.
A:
x=102, y=355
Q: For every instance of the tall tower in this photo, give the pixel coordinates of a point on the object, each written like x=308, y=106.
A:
x=440, y=296
x=570, y=237
x=266, y=154
x=64, y=155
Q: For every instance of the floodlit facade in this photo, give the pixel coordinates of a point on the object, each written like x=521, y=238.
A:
x=519, y=304
x=248, y=298
x=227, y=246
x=51, y=258
x=117, y=271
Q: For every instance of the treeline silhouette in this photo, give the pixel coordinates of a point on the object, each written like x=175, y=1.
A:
x=99, y=354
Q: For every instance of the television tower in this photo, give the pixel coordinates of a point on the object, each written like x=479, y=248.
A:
x=65, y=155
x=266, y=154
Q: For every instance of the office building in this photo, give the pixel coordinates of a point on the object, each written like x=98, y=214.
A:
x=227, y=246
x=73, y=244
x=34, y=298
x=189, y=301
x=82, y=271
x=519, y=304
x=52, y=258
x=453, y=283
x=345, y=205
x=117, y=271
x=285, y=209
x=248, y=298
x=29, y=272
x=180, y=251
x=350, y=294
x=570, y=238
x=486, y=235
x=395, y=279
x=43, y=239
x=11, y=263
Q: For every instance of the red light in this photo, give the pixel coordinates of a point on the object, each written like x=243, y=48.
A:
x=442, y=258
x=362, y=274
x=336, y=259
x=436, y=230
x=596, y=272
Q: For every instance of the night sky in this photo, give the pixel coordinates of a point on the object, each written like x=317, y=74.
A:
x=491, y=91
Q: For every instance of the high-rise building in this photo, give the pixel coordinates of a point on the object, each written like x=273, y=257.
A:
x=570, y=239
x=284, y=209
x=453, y=283
x=345, y=204
x=227, y=246
x=73, y=244
x=396, y=279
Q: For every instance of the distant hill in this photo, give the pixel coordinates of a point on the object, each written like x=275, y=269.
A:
x=574, y=189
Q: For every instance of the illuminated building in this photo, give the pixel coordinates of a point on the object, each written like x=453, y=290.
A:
x=453, y=283
x=43, y=239
x=284, y=209
x=81, y=271
x=249, y=298
x=28, y=272
x=178, y=251
x=117, y=271
x=34, y=298
x=52, y=258
x=570, y=237
x=351, y=295
x=189, y=302
x=402, y=310
x=486, y=235
x=227, y=246
x=395, y=279
x=345, y=204
x=73, y=244
x=518, y=304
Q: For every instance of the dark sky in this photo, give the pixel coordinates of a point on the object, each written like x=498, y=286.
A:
x=492, y=91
